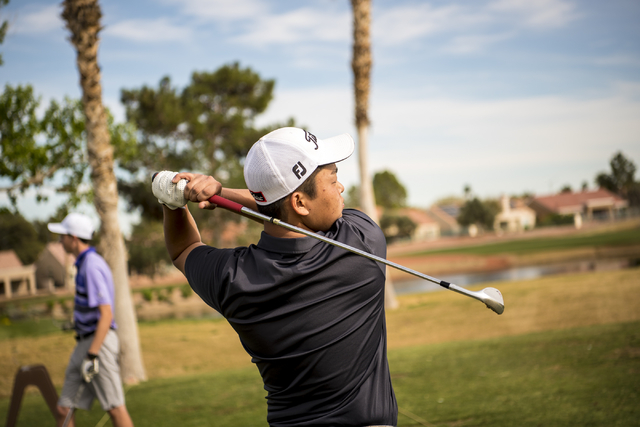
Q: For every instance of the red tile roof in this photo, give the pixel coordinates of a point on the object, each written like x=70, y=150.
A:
x=9, y=259
x=574, y=202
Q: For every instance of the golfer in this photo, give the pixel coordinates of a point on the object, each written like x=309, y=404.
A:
x=93, y=370
x=310, y=315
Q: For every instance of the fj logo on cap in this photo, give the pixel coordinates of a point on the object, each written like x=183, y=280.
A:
x=311, y=138
x=299, y=170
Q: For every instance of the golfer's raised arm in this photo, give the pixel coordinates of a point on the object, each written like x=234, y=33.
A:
x=181, y=235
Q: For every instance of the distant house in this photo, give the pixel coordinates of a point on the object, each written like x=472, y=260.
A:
x=426, y=227
x=515, y=216
x=598, y=204
x=446, y=216
x=54, y=268
x=16, y=279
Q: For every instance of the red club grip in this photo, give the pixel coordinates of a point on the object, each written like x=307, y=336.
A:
x=226, y=204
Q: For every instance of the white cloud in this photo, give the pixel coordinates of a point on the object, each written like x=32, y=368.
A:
x=473, y=43
x=38, y=20
x=149, y=31
x=400, y=24
x=537, y=13
x=300, y=25
x=615, y=60
x=221, y=10
x=474, y=26
x=325, y=110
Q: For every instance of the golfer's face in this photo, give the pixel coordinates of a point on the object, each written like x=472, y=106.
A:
x=67, y=243
x=327, y=207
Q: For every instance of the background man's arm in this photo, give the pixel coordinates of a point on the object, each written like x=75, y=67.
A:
x=104, y=323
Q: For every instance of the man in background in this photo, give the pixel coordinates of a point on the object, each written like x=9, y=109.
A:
x=93, y=370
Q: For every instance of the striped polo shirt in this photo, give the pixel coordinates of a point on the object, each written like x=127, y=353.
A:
x=94, y=287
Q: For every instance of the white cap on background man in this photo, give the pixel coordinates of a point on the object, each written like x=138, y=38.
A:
x=75, y=224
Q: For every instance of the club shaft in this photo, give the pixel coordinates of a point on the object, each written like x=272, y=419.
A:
x=238, y=208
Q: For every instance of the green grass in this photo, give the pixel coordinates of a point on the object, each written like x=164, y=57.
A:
x=28, y=327
x=540, y=244
x=578, y=377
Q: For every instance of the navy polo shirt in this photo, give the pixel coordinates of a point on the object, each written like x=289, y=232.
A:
x=311, y=316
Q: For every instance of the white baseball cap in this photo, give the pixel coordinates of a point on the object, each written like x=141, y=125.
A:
x=75, y=224
x=283, y=159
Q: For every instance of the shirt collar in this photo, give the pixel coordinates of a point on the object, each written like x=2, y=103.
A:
x=84, y=254
x=297, y=245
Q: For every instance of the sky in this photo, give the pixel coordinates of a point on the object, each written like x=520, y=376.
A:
x=506, y=96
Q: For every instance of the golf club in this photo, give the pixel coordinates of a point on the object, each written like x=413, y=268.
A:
x=491, y=297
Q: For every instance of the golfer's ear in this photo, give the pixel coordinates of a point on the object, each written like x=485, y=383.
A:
x=298, y=203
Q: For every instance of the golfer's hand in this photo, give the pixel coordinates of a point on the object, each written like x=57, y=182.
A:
x=168, y=191
x=200, y=188
x=89, y=368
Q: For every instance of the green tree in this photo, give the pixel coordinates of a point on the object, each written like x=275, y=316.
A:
x=389, y=192
x=19, y=235
x=147, y=252
x=207, y=126
x=397, y=227
x=621, y=179
x=475, y=211
x=352, y=197
x=37, y=151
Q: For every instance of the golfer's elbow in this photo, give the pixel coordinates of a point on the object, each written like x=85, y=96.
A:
x=180, y=259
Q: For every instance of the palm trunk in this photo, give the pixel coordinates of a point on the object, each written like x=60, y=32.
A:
x=83, y=20
x=361, y=65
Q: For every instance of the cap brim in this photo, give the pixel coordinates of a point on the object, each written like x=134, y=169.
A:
x=335, y=149
x=57, y=228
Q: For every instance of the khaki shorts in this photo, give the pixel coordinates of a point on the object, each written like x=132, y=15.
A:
x=106, y=386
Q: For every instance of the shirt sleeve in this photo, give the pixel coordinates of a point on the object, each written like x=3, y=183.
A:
x=369, y=232
x=99, y=283
x=207, y=272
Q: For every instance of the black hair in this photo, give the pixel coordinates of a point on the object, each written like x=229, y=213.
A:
x=85, y=241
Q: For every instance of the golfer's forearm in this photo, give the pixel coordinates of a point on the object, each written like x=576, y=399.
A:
x=242, y=196
x=180, y=231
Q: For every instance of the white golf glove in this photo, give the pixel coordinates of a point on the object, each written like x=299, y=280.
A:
x=169, y=194
x=89, y=368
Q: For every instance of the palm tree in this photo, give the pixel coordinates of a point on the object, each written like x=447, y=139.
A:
x=361, y=65
x=83, y=21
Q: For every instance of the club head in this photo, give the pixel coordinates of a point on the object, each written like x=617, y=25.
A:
x=493, y=299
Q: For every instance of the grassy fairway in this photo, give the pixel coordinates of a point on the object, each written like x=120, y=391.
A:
x=565, y=352
x=576, y=377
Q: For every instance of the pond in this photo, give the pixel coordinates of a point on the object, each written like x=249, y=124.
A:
x=416, y=285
